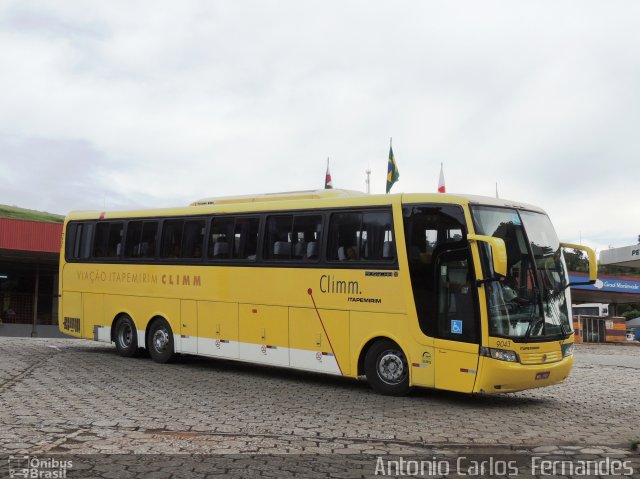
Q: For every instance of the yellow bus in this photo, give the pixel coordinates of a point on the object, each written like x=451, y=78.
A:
x=444, y=291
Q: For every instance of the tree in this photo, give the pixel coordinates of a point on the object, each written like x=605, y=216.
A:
x=576, y=260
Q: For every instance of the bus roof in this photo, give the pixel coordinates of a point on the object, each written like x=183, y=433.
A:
x=299, y=200
x=287, y=195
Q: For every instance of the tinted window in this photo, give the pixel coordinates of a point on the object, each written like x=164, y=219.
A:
x=278, y=241
x=293, y=237
x=182, y=239
x=192, y=239
x=141, y=239
x=171, y=239
x=78, y=240
x=366, y=236
x=307, y=231
x=234, y=238
x=108, y=239
x=221, y=238
x=245, y=240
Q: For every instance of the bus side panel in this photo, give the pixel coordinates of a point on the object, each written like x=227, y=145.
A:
x=218, y=329
x=70, y=320
x=188, y=326
x=314, y=350
x=93, y=309
x=264, y=334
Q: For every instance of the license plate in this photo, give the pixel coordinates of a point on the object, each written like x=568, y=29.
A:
x=543, y=375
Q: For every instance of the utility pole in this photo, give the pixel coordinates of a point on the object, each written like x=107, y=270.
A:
x=368, y=180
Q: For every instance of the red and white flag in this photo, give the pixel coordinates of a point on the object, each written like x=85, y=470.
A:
x=327, y=178
x=441, y=187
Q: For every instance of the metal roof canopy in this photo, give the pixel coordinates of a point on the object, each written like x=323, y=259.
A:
x=625, y=256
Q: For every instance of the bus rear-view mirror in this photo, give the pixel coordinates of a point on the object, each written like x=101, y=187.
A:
x=498, y=251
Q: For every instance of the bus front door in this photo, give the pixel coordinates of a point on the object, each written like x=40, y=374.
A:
x=458, y=329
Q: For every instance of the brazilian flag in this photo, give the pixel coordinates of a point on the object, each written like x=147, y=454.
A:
x=392, y=170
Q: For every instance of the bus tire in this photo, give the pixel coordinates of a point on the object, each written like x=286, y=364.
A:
x=126, y=337
x=161, y=347
x=387, y=368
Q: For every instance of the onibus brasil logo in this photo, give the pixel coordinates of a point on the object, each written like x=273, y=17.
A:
x=40, y=468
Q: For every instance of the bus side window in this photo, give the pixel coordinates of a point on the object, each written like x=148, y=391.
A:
x=132, y=243
x=192, y=239
x=108, y=240
x=172, y=239
x=278, y=244
x=307, y=230
x=377, y=237
x=78, y=240
x=149, y=239
x=366, y=236
x=246, y=238
x=219, y=238
x=344, y=236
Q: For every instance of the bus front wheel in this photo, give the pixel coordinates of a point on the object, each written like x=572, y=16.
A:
x=161, y=342
x=387, y=368
x=126, y=337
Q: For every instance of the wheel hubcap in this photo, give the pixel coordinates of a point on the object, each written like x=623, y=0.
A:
x=391, y=367
x=160, y=340
x=126, y=335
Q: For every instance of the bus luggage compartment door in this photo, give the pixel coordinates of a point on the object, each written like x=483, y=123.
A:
x=319, y=340
x=218, y=329
x=264, y=334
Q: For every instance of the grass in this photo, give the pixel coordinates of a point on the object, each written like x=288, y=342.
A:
x=13, y=212
x=635, y=445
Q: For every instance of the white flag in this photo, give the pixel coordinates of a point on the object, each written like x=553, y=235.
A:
x=441, y=187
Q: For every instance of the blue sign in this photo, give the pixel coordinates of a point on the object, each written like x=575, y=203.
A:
x=612, y=285
x=456, y=326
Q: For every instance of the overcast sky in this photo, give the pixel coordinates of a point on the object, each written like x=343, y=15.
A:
x=157, y=103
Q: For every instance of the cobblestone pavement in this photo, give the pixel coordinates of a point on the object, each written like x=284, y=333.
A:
x=63, y=396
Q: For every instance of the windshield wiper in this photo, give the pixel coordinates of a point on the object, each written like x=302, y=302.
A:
x=534, y=323
x=546, y=300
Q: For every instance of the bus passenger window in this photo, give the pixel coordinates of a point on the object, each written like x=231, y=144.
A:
x=171, y=239
x=192, y=238
x=246, y=238
x=132, y=244
x=149, y=239
x=307, y=229
x=221, y=233
x=364, y=236
x=108, y=240
x=78, y=240
x=278, y=237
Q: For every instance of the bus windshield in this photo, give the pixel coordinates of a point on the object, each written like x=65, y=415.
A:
x=530, y=302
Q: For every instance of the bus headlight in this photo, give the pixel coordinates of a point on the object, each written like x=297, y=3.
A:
x=567, y=350
x=500, y=354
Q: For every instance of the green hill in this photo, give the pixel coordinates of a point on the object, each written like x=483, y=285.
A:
x=13, y=212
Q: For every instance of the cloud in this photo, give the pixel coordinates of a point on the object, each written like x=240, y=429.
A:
x=159, y=103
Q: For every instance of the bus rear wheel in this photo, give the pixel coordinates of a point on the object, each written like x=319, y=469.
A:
x=126, y=337
x=387, y=368
x=160, y=344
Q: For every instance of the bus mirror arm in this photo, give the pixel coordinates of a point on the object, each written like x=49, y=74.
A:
x=580, y=283
x=498, y=253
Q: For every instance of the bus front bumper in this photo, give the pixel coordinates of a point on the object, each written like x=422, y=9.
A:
x=502, y=377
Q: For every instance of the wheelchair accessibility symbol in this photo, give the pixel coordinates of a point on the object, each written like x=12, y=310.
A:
x=456, y=326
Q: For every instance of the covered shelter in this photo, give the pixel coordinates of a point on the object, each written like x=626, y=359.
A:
x=29, y=256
